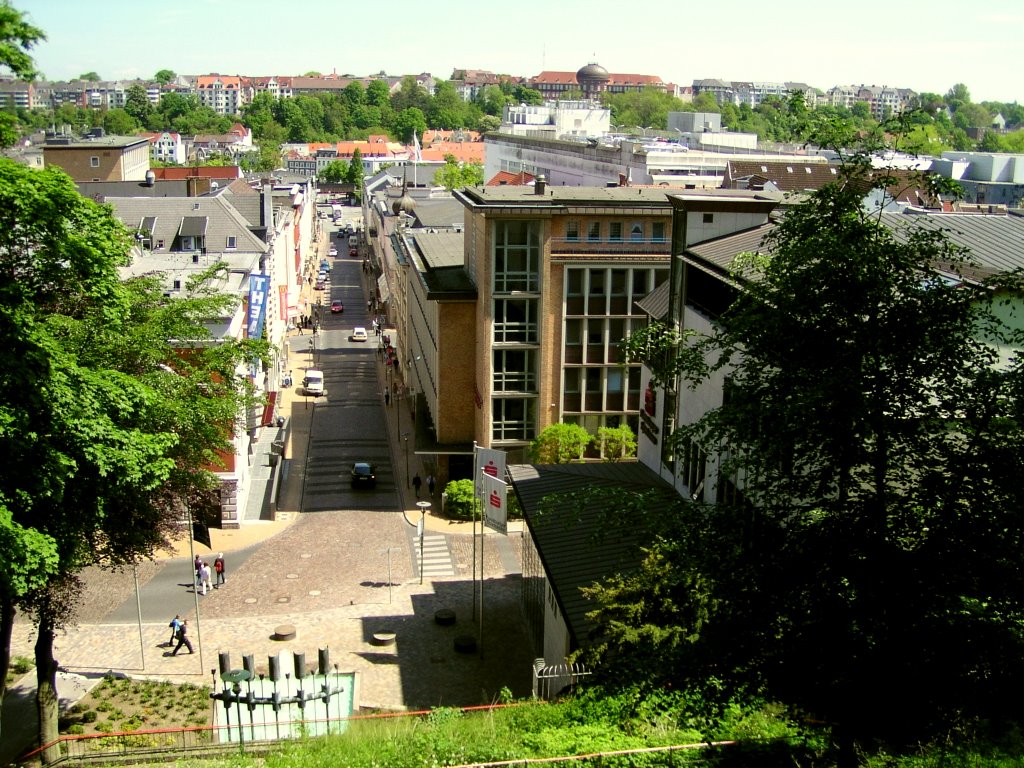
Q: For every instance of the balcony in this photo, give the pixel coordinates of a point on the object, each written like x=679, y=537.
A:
x=618, y=246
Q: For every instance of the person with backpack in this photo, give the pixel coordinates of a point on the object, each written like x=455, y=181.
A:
x=221, y=569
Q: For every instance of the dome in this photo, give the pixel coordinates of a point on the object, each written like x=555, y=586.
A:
x=593, y=72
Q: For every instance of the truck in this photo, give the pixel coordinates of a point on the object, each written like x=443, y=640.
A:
x=313, y=383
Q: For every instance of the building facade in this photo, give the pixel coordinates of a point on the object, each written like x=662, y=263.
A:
x=100, y=157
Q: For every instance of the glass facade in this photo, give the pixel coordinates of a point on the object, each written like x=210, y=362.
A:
x=516, y=340
x=600, y=311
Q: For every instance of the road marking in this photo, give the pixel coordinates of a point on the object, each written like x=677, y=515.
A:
x=437, y=558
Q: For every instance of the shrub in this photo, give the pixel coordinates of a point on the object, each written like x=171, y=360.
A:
x=77, y=729
x=89, y=716
x=459, y=500
x=104, y=726
x=21, y=665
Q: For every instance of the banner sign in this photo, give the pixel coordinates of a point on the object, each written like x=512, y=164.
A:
x=494, y=493
x=258, y=287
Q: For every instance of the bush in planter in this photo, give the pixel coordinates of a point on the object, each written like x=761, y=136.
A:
x=458, y=500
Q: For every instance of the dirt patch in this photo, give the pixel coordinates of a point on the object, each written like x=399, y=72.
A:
x=122, y=704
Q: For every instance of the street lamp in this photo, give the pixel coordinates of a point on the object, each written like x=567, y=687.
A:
x=424, y=506
x=405, y=437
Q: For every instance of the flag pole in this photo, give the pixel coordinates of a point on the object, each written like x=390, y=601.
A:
x=476, y=470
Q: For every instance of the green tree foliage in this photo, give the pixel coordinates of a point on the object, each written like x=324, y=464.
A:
x=137, y=103
x=410, y=95
x=648, y=108
x=89, y=77
x=334, y=172
x=455, y=175
x=560, y=444
x=447, y=110
x=106, y=425
x=17, y=38
x=867, y=573
x=354, y=172
x=407, y=122
x=118, y=122
x=165, y=76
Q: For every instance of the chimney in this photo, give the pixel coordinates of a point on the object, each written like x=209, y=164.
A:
x=540, y=185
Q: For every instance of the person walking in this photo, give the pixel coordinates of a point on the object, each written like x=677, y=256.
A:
x=198, y=563
x=416, y=483
x=183, y=638
x=204, y=576
x=221, y=569
x=430, y=484
x=387, y=397
x=175, y=625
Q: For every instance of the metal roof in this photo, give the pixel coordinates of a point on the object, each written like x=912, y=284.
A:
x=193, y=226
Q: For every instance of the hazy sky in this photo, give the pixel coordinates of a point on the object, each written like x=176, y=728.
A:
x=926, y=45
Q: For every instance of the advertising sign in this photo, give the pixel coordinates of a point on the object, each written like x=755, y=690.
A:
x=258, y=287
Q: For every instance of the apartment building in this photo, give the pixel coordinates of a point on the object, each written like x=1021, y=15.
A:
x=751, y=92
x=882, y=99
x=221, y=93
x=99, y=158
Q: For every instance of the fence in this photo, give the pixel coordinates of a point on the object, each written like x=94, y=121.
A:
x=549, y=680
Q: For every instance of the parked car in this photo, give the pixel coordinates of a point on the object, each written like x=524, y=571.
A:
x=358, y=334
x=320, y=285
x=363, y=473
x=353, y=252
x=332, y=251
x=337, y=307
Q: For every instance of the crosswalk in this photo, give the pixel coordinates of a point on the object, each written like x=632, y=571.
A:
x=437, y=558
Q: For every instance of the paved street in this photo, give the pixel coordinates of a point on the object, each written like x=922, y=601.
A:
x=340, y=564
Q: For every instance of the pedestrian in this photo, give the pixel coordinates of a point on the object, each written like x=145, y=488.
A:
x=174, y=625
x=183, y=638
x=387, y=398
x=205, y=577
x=416, y=483
x=430, y=484
x=369, y=305
x=198, y=564
x=221, y=569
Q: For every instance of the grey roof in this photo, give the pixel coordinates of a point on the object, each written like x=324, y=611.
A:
x=578, y=550
x=439, y=212
x=111, y=142
x=722, y=250
x=443, y=261
x=996, y=243
x=193, y=226
x=509, y=194
x=655, y=303
x=439, y=249
x=101, y=190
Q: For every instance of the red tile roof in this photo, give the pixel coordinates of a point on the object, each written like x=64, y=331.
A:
x=507, y=178
x=202, y=171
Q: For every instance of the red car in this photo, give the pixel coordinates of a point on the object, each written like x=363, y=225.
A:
x=337, y=307
x=353, y=251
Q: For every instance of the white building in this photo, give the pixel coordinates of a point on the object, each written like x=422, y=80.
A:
x=557, y=119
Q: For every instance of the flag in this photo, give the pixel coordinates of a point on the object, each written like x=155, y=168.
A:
x=418, y=155
x=201, y=533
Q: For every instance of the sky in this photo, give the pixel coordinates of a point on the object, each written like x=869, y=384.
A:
x=925, y=45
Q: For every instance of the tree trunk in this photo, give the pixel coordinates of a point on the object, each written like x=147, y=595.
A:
x=6, y=629
x=46, y=692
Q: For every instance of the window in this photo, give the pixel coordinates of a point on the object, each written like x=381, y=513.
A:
x=572, y=230
x=515, y=321
x=594, y=231
x=596, y=305
x=709, y=218
x=512, y=418
x=636, y=231
x=516, y=256
x=658, y=232
x=615, y=231
x=159, y=245
x=514, y=370
x=94, y=162
x=231, y=242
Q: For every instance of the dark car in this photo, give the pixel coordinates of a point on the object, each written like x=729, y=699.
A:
x=364, y=474
x=337, y=307
x=353, y=251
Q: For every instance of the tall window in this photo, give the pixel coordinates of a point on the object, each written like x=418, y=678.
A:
x=513, y=418
x=615, y=231
x=514, y=321
x=658, y=231
x=516, y=256
x=594, y=231
x=636, y=231
x=514, y=370
x=572, y=230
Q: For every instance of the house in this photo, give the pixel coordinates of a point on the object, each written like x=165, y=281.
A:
x=221, y=93
x=165, y=147
x=590, y=81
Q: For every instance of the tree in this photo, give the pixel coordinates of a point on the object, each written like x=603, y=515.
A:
x=407, y=122
x=560, y=444
x=455, y=175
x=137, y=103
x=17, y=37
x=334, y=172
x=89, y=77
x=354, y=172
x=868, y=524
x=447, y=109
x=705, y=102
x=106, y=423
x=410, y=95
x=118, y=122
x=165, y=76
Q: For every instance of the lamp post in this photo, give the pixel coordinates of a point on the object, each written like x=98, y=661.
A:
x=424, y=506
x=405, y=437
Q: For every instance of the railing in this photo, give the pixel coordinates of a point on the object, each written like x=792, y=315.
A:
x=653, y=756
x=609, y=245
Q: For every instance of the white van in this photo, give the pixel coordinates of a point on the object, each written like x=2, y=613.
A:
x=353, y=241
x=313, y=383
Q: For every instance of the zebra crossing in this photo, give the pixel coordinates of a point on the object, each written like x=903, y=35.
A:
x=437, y=558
